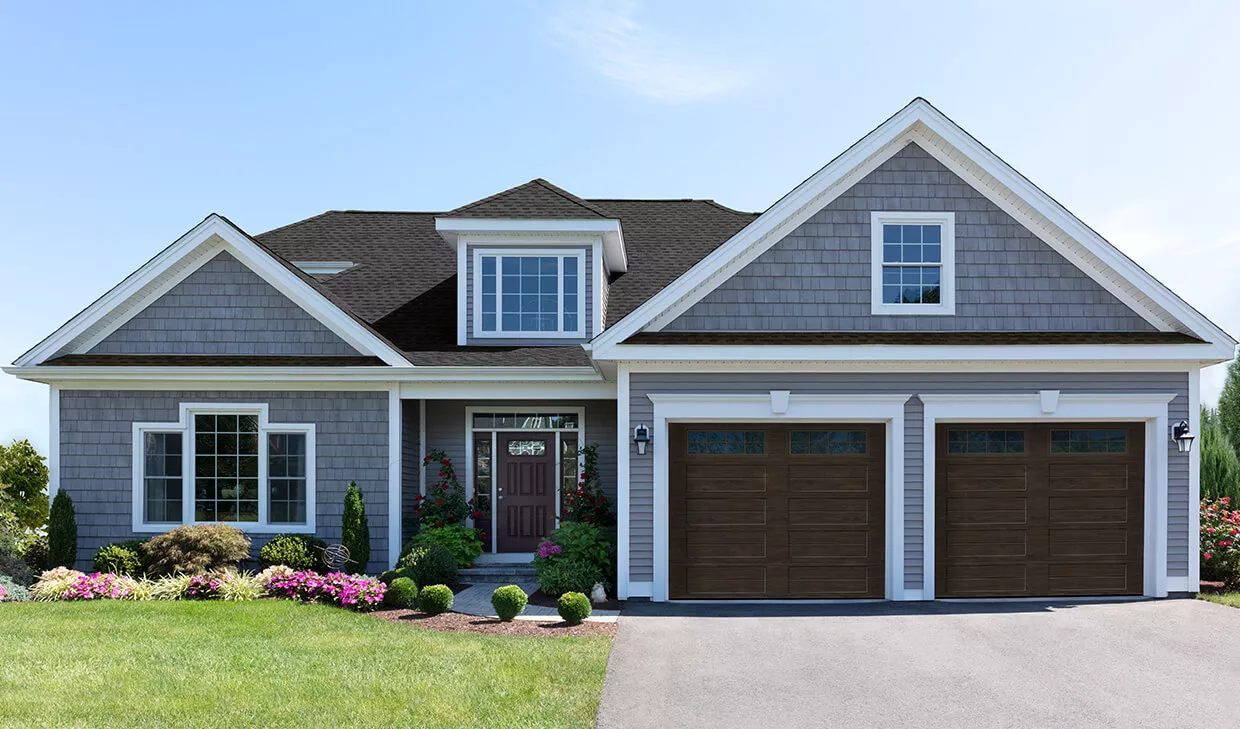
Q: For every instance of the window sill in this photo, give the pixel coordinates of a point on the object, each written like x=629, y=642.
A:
x=912, y=310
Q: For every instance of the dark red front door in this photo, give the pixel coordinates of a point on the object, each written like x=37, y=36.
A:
x=525, y=493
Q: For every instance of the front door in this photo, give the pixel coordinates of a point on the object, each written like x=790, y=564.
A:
x=525, y=491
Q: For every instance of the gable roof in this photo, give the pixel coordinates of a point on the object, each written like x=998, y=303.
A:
x=919, y=122
x=535, y=199
x=176, y=262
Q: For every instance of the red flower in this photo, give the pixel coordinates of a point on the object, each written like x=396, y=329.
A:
x=1207, y=555
x=439, y=523
x=477, y=514
x=446, y=487
x=438, y=501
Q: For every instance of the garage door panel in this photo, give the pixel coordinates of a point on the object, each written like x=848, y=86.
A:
x=826, y=544
x=828, y=478
x=1075, y=529
x=711, y=480
x=726, y=544
x=783, y=517
x=983, y=511
x=968, y=478
x=828, y=512
x=726, y=512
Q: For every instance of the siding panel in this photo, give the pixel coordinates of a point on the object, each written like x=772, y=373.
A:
x=641, y=410
x=818, y=277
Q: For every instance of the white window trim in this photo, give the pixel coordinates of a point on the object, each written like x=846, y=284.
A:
x=184, y=426
x=947, y=276
x=500, y=333
x=1050, y=406
x=777, y=406
x=560, y=433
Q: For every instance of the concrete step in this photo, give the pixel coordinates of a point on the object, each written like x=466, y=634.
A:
x=498, y=573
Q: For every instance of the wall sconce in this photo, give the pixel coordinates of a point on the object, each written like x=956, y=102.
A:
x=641, y=437
x=1183, y=439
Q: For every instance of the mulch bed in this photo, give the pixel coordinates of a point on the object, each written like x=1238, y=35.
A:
x=544, y=600
x=459, y=623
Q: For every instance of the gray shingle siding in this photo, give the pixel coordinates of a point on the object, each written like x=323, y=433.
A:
x=223, y=308
x=818, y=277
x=410, y=460
x=96, y=456
x=586, y=276
x=641, y=410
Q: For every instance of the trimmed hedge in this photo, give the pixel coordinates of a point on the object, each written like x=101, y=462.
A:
x=573, y=607
x=62, y=532
x=402, y=593
x=435, y=599
x=120, y=558
x=429, y=564
x=296, y=551
x=508, y=602
x=355, y=530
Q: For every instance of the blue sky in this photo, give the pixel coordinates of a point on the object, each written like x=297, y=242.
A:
x=123, y=124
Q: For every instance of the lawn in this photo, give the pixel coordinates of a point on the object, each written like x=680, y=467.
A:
x=1225, y=598
x=275, y=663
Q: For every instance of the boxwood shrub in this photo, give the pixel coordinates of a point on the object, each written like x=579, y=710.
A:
x=573, y=607
x=402, y=593
x=435, y=599
x=429, y=564
x=508, y=602
x=120, y=558
x=298, y=551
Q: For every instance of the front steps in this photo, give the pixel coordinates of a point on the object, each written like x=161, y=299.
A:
x=506, y=573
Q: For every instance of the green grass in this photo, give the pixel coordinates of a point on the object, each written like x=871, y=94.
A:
x=1231, y=599
x=280, y=664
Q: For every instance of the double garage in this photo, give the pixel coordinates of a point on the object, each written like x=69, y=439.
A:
x=798, y=510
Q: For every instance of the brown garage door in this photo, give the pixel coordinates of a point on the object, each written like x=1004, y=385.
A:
x=1026, y=510
x=776, y=511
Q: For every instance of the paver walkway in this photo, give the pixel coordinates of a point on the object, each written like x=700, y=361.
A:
x=476, y=600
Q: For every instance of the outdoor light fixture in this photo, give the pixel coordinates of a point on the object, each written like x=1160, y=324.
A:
x=1183, y=439
x=641, y=436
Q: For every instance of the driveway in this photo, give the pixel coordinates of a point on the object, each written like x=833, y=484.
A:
x=1168, y=663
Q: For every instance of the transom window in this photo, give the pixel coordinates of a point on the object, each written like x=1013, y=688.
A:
x=827, y=442
x=1089, y=440
x=529, y=294
x=913, y=263
x=985, y=441
x=225, y=464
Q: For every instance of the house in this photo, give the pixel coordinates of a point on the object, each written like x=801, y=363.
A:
x=914, y=376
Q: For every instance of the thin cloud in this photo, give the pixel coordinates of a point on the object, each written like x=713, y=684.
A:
x=606, y=37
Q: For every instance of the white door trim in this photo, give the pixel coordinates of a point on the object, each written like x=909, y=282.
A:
x=1050, y=406
x=780, y=406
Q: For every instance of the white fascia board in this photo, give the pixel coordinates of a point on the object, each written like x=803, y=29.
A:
x=849, y=167
x=214, y=230
x=614, y=255
x=1204, y=353
x=515, y=375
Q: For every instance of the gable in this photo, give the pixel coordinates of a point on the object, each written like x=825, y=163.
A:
x=223, y=308
x=818, y=277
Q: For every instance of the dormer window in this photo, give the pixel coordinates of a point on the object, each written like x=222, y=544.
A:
x=913, y=258
x=529, y=293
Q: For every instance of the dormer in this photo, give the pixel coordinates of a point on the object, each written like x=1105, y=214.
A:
x=533, y=266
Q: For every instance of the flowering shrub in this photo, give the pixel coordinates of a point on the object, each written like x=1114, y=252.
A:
x=3, y=593
x=203, y=587
x=586, y=501
x=265, y=577
x=549, y=549
x=575, y=557
x=99, y=586
x=350, y=591
x=444, y=503
x=1220, y=542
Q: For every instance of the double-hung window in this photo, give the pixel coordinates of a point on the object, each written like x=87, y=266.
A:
x=529, y=293
x=913, y=263
x=224, y=463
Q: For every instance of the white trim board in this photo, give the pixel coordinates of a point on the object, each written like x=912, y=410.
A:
x=1051, y=406
x=396, y=449
x=779, y=406
x=213, y=235
x=922, y=123
x=578, y=254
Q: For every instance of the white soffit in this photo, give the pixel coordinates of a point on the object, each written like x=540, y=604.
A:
x=921, y=123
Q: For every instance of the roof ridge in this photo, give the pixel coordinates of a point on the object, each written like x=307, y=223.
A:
x=571, y=197
x=540, y=182
x=295, y=222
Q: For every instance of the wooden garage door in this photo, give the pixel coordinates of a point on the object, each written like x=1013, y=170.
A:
x=1029, y=510
x=776, y=511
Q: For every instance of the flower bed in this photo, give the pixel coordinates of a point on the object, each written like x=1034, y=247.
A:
x=1220, y=543
x=348, y=591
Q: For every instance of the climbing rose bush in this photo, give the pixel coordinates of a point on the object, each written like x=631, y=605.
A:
x=1220, y=542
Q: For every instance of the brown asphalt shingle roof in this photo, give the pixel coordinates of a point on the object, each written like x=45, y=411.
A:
x=404, y=283
x=176, y=360
x=715, y=339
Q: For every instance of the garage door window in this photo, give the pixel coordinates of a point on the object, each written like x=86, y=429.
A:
x=827, y=442
x=985, y=441
x=1081, y=440
x=727, y=442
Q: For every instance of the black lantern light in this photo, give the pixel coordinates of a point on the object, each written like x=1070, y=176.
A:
x=641, y=437
x=1183, y=439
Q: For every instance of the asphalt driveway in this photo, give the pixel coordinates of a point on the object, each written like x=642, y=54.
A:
x=1168, y=663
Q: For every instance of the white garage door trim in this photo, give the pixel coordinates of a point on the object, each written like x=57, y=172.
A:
x=781, y=406
x=1050, y=406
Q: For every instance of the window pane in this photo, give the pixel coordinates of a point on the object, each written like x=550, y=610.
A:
x=527, y=448
x=530, y=296
x=162, y=478
x=827, y=442
x=727, y=442
x=985, y=441
x=1081, y=440
x=891, y=234
x=226, y=467
x=488, y=266
x=286, y=478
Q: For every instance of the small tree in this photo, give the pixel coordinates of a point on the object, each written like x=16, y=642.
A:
x=62, y=532
x=1229, y=405
x=1220, y=467
x=23, y=481
x=444, y=503
x=355, y=531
